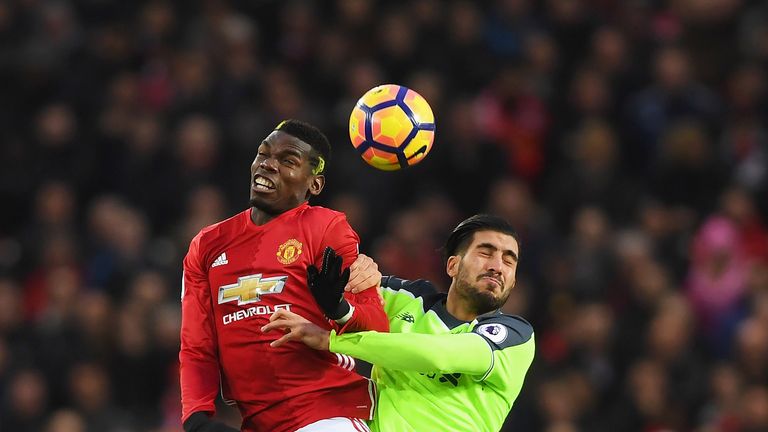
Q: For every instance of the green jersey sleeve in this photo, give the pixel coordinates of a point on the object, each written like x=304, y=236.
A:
x=464, y=352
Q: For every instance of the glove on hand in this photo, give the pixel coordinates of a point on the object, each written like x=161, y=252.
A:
x=200, y=422
x=327, y=285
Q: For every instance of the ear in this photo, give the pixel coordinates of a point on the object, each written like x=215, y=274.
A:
x=316, y=184
x=452, y=265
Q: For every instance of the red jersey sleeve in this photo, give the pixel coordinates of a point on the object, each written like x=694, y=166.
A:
x=368, y=313
x=199, y=365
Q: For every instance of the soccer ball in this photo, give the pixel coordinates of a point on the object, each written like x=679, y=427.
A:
x=392, y=127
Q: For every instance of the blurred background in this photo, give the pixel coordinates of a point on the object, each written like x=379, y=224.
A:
x=626, y=140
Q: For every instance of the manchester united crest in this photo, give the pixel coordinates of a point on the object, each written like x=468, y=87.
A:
x=289, y=251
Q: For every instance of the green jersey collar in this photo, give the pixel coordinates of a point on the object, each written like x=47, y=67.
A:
x=451, y=321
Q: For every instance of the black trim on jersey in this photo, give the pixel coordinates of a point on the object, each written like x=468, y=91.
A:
x=431, y=299
x=418, y=287
x=437, y=304
x=517, y=331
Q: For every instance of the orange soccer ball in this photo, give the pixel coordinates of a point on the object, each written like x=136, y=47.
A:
x=392, y=127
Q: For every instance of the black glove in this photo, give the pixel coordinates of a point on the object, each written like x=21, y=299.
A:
x=200, y=422
x=327, y=285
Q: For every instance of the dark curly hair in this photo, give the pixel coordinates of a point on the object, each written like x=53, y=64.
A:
x=461, y=236
x=310, y=135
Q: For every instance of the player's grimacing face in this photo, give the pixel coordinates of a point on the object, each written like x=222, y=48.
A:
x=281, y=174
x=485, y=273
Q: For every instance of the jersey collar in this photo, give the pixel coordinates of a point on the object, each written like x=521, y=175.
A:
x=451, y=321
x=250, y=225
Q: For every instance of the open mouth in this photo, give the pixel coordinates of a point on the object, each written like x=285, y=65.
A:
x=263, y=184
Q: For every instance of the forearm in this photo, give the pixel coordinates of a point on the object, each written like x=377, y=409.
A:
x=200, y=384
x=198, y=360
x=454, y=353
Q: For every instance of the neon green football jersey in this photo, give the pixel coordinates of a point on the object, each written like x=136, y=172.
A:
x=437, y=373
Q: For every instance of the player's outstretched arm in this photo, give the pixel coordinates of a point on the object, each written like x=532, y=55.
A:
x=450, y=353
x=464, y=353
x=467, y=353
x=297, y=328
x=475, y=353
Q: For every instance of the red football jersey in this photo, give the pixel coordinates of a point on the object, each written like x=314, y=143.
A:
x=236, y=274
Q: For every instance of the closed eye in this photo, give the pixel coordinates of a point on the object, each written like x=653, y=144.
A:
x=486, y=250
x=508, y=256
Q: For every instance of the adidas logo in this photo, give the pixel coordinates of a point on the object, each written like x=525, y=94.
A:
x=221, y=260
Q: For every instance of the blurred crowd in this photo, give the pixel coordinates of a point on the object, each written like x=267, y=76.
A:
x=627, y=141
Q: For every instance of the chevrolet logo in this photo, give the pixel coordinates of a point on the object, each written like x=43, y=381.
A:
x=249, y=289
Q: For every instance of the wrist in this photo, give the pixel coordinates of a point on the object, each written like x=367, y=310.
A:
x=336, y=311
x=325, y=340
x=345, y=311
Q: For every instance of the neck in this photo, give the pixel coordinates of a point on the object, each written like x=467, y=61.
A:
x=260, y=217
x=458, y=307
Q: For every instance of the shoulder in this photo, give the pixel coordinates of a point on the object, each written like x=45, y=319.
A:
x=418, y=287
x=220, y=229
x=504, y=331
x=210, y=238
x=332, y=227
x=322, y=214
